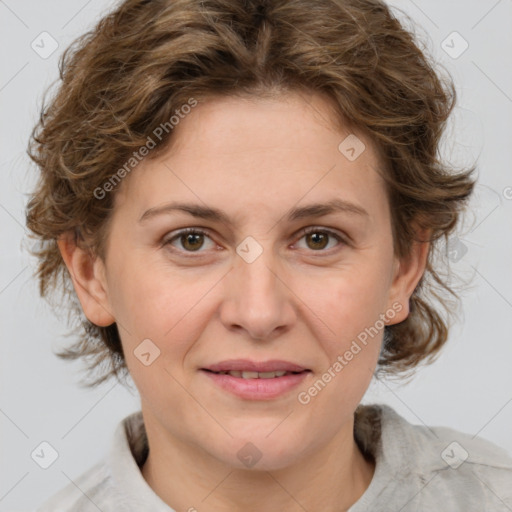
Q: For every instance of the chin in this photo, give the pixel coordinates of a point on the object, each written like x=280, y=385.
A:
x=259, y=452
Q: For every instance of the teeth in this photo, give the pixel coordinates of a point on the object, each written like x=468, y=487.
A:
x=270, y=375
x=250, y=375
x=255, y=375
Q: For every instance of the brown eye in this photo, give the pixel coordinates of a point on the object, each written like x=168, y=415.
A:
x=190, y=240
x=318, y=239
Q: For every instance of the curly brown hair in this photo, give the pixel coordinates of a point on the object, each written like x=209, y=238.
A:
x=146, y=59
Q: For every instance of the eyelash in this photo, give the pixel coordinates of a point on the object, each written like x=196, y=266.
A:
x=303, y=233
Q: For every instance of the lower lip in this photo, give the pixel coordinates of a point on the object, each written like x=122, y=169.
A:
x=257, y=389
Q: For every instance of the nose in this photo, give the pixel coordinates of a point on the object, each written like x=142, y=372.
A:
x=257, y=298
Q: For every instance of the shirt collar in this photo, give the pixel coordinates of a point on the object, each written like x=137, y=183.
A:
x=374, y=429
x=129, y=450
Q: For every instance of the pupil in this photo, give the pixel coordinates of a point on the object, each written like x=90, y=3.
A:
x=194, y=237
x=316, y=236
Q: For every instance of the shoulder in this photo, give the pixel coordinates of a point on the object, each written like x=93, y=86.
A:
x=84, y=493
x=113, y=484
x=460, y=446
x=445, y=467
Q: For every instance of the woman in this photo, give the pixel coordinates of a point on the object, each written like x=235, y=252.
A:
x=246, y=199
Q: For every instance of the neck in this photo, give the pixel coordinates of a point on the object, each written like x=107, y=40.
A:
x=331, y=479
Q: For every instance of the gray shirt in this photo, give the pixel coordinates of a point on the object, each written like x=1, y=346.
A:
x=418, y=468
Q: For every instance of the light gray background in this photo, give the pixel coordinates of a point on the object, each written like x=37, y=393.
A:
x=468, y=388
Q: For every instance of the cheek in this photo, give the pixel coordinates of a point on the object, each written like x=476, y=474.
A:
x=351, y=308
x=169, y=307
x=169, y=313
x=146, y=297
x=352, y=300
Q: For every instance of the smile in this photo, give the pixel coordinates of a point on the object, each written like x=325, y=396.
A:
x=255, y=375
x=250, y=385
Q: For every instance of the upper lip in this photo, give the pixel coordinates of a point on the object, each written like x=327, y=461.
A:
x=273, y=365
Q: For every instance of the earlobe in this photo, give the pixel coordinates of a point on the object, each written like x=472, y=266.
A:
x=408, y=272
x=87, y=273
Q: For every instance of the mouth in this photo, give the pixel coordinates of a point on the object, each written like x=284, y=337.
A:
x=249, y=366
x=252, y=380
x=255, y=375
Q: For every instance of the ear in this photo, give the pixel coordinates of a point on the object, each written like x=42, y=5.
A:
x=88, y=276
x=407, y=274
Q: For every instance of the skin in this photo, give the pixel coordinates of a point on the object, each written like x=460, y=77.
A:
x=301, y=300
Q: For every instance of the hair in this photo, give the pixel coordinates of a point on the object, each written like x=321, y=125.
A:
x=145, y=60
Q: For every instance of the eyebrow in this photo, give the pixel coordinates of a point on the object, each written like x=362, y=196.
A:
x=300, y=212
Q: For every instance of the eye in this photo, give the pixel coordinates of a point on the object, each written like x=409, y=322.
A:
x=317, y=239
x=190, y=239
x=193, y=239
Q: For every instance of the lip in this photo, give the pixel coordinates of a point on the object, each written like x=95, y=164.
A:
x=273, y=365
x=256, y=389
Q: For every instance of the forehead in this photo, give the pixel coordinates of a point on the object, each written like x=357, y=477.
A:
x=290, y=120
x=252, y=153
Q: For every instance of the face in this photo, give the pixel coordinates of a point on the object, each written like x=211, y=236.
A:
x=271, y=280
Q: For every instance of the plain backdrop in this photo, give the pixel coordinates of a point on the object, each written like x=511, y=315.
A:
x=469, y=388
